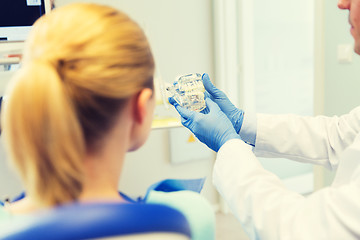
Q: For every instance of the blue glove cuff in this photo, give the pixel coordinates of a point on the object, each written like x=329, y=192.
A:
x=226, y=138
x=239, y=118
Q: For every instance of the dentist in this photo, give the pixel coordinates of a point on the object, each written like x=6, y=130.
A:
x=266, y=209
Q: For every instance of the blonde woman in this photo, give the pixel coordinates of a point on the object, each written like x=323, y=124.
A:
x=82, y=99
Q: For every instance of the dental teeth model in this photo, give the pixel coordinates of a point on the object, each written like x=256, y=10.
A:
x=188, y=92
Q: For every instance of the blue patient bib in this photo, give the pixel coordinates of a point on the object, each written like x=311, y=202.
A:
x=170, y=185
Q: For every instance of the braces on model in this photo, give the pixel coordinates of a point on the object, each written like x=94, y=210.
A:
x=188, y=92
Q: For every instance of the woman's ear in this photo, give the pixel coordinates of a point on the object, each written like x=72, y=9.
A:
x=142, y=102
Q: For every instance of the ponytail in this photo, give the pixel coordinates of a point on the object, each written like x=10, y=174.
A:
x=39, y=117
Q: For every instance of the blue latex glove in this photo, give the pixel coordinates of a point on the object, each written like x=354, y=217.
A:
x=212, y=128
x=235, y=115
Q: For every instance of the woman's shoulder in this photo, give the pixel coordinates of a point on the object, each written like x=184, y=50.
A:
x=4, y=215
x=195, y=207
x=5, y=220
x=183, y=198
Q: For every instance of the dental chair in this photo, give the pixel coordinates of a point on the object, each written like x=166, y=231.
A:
x=105, y=221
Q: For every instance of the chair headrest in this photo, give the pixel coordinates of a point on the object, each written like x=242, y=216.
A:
x=84, y=221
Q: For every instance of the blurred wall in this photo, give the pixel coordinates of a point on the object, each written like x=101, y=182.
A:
x=342, y=80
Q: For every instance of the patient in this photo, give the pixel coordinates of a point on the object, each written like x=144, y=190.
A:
x=83, y=98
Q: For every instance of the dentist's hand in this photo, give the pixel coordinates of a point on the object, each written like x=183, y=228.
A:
x=235, y=115
x=212, y=128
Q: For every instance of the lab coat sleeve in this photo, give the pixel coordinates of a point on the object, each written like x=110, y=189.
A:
x=248, y=128
x=318, y=140
x=267, y=210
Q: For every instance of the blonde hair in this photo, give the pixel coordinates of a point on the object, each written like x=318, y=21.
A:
x=81, y=64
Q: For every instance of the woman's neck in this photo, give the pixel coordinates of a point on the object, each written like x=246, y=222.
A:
x=101, y=180
x=102, y=169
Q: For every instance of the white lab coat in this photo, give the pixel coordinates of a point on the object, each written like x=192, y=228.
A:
x=266, y=209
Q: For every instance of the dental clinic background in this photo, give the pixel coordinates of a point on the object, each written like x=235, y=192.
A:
x=269, y=56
